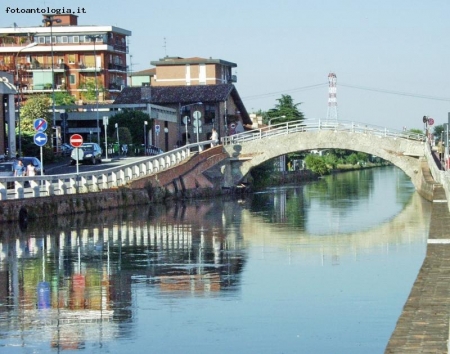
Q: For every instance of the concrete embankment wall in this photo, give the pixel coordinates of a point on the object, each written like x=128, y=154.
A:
x=185, y=180
x=48, y=207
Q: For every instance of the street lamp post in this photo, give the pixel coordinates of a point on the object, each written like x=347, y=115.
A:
x=48, y=21
x=105, y=124
x=20, y=92
x=94, y=38
x=187, y=118
x=271, y=119
x=166, y=138
x=145, y=138
x=118, y=143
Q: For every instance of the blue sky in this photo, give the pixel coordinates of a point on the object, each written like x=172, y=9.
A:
x=390, y=57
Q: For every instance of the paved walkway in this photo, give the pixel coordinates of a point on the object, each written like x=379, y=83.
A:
x=423, y=326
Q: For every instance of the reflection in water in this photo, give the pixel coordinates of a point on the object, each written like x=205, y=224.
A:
x=108, y=280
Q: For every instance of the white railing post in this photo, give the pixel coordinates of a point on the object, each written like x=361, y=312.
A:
x=3, y=190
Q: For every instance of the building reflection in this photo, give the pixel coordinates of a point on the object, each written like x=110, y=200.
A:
x=70, y=279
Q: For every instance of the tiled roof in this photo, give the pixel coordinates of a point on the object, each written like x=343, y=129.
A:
x=180, y=95
x=146, y=72
x=175, y=94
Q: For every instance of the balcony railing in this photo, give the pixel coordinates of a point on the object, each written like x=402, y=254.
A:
x=39, y=66
x=119, y=46
x=114, y=87
x=117, y=67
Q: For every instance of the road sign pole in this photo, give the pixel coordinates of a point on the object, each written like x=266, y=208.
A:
x=77, y=153
x=42, y=162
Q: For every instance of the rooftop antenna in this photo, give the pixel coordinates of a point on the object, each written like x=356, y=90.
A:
x=165, y=47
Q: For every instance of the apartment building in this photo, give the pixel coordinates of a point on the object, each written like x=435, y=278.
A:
x=59, y=55
x=176, y=71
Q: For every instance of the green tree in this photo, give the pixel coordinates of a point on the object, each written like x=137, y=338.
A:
x=316, y=164
x=125, y=136
x=35, y=107
x=285, y=107
x=437, y=131
x=64, y=99
x=91, y=88
x=134, y=121
x=353, y=159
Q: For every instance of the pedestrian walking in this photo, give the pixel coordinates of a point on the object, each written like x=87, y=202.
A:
x=31, y=170
x=214, y=137
x=19, y=169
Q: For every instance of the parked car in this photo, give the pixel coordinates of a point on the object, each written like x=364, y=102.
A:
x=66, y=149
x=7, y=170
x=35, y=162
x=88, y=152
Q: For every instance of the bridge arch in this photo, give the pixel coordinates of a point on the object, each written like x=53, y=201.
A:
x=256, y=147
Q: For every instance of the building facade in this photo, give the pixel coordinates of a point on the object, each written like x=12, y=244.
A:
x=200, y=109
x=62, y=56
x=175, y=71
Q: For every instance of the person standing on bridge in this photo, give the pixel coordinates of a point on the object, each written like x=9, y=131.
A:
x=440, y=150
x=19, y=169
x=214, y=137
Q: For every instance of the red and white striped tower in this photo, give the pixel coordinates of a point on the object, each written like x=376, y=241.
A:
x=332, y=113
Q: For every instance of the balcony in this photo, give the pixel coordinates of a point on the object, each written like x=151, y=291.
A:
x=82, y=67
x=115, y=87
x=119, y=47
x=117, y=67
x=61, y=67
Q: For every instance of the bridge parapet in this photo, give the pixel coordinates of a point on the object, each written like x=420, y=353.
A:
x=318, y=125
x=249, y=149
x=94, y=181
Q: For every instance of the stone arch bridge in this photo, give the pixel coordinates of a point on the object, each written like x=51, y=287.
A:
x=246, y=150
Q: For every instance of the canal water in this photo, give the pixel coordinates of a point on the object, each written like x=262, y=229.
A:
x=322, y=267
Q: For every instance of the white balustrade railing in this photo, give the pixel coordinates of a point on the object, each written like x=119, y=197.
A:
x=94, y=181
x=275, y=130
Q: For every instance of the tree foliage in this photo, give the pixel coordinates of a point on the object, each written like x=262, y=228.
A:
x=91, y=89
x=133, y=121
x=35, y=107
x=64, y=99
x=316, y=164
x=438, y=130
x=285, y=107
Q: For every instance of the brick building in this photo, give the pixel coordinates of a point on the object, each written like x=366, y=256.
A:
x=61, y=56
x=217, y=106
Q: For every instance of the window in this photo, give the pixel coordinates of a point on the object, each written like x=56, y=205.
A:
x=72, y=79
x=41, y=40
x=210, y=114
x=72, y=58
x=74, y=39
x=64, y=39
x=89, y=61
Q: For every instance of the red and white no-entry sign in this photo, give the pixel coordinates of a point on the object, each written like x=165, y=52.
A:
x=76, y=140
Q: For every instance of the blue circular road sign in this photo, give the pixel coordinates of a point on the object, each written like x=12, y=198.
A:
x=40, y=139
x=40, y=124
